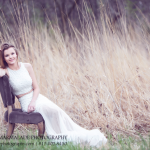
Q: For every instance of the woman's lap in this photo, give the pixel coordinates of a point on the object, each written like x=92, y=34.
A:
x=58, y=122
x=42, y=102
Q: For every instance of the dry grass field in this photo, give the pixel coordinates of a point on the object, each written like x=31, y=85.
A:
x=100, y=78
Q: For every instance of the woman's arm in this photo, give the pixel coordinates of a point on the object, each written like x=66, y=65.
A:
x=3, y=72
x=36, y=89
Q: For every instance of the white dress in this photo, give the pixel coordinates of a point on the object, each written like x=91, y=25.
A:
x=57, y=122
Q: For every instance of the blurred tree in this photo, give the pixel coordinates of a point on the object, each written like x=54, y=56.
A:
x=65, y=11
x=61, y=12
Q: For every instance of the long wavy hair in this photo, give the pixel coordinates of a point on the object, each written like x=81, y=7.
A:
x=4, y=47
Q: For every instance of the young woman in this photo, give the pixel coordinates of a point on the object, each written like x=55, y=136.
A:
x=25, y=88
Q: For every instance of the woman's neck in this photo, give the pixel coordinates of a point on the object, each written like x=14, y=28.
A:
x=15, y=66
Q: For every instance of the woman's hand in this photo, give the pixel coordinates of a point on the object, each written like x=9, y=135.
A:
x=2, y=72
x=31, y=106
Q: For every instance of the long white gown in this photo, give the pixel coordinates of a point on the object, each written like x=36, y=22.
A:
x=57, y=122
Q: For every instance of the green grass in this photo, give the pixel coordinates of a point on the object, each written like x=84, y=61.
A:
x=118, y=143
x=128, y=143
x=39, y=144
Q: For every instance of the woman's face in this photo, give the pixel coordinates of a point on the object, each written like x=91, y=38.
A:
x=10, y=56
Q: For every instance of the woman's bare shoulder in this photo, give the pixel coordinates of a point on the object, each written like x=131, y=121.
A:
x=28, y=66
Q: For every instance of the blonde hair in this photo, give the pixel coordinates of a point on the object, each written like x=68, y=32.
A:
x=4, y=47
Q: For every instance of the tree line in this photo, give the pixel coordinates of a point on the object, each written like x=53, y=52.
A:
x=64, y=12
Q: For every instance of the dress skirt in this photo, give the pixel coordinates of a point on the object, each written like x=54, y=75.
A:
x=57, y=122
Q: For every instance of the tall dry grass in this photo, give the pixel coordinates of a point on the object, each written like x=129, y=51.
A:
x=98, y=77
